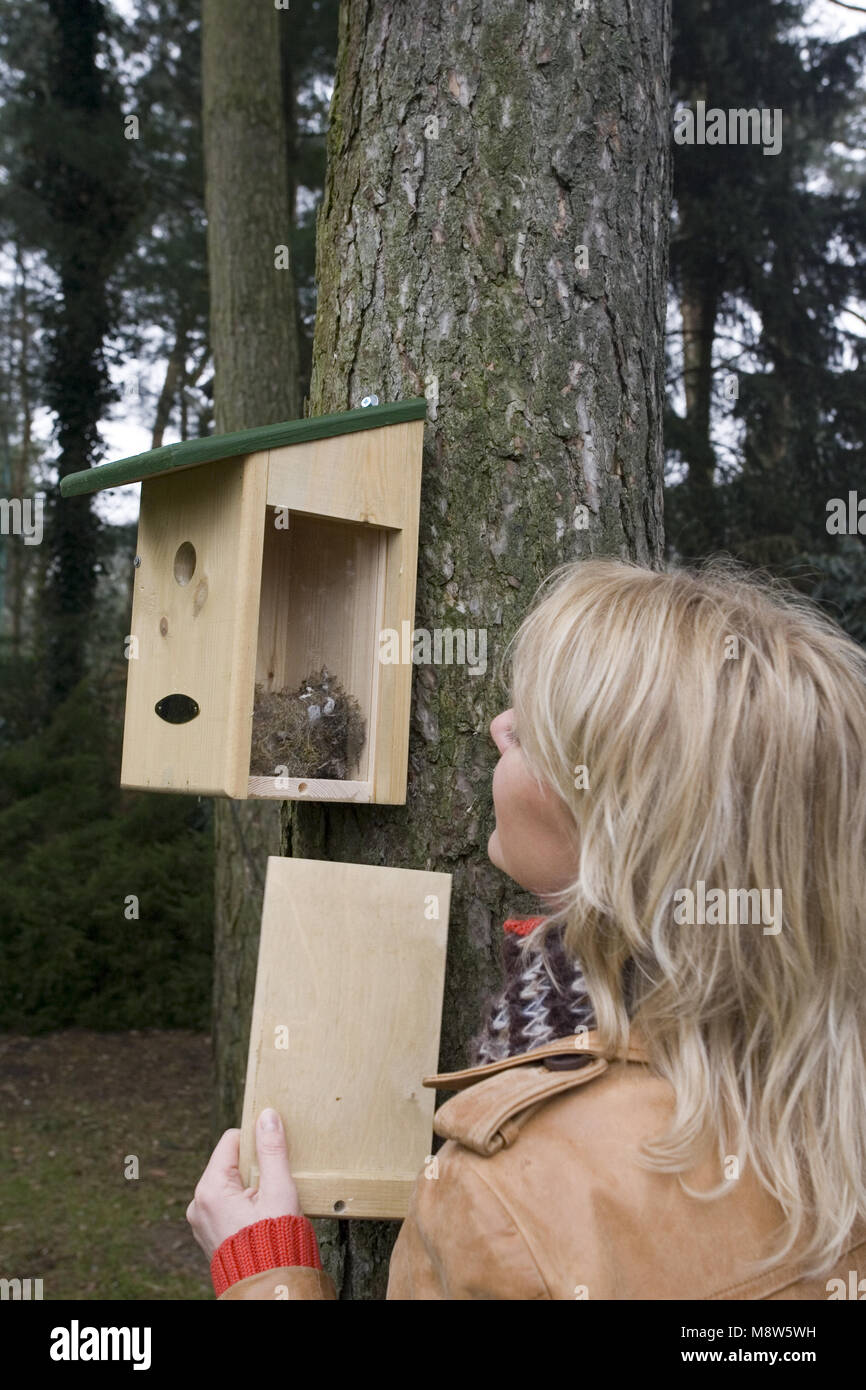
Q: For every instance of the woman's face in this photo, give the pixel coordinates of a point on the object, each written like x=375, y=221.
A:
x=535, y=840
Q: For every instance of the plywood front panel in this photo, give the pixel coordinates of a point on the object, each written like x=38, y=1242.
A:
x=345, y=1025
x=196, y=629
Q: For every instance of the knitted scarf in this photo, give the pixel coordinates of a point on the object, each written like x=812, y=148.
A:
x=531, y=1008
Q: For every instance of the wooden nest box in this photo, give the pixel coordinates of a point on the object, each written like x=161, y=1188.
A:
x=269, y=559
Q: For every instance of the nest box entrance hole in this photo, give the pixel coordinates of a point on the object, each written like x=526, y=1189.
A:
x=320, y=614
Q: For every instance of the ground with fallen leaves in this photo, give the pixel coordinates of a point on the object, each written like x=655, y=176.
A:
x=75, y=1106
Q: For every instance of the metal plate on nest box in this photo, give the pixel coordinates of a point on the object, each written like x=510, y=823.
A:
x=176, y=709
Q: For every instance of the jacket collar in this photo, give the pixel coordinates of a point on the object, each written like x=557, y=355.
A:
x=489, y=1116
x=563, y=1054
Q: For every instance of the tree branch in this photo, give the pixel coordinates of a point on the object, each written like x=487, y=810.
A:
x=853, y=312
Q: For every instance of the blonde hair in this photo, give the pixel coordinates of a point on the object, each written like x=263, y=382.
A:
x=721, y=720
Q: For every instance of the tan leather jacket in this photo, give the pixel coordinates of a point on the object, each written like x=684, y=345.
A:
x=536, y=1195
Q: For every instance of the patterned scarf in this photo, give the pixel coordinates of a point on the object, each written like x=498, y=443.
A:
x=532, y=1009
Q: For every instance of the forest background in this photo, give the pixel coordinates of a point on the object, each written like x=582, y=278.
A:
x=105, y=350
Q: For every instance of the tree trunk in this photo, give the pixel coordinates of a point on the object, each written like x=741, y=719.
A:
x=21, y=456
x=473, y=152
x=699, y=306
x=252, y=334
x=84, y=181
x=168, y=394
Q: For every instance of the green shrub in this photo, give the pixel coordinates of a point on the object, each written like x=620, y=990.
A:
x=74, y=849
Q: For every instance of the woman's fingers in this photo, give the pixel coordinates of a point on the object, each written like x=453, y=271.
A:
x=222, y=1205
x=276, y=1183
x=222, y=1169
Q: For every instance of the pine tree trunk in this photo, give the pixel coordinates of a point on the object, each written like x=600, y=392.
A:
x=699, y=307
x=254, y=345
x=473, y=151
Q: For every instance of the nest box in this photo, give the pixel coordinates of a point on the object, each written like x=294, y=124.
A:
x=268, y=558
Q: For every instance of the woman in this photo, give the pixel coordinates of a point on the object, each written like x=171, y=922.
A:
x=682, y=783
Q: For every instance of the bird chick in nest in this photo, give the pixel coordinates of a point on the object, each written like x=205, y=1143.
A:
x=315, y=731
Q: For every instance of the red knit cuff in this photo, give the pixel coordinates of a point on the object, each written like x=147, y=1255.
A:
x=267, y=1244
x=522, y=926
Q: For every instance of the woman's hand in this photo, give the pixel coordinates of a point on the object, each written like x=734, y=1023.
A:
x=222, y=1205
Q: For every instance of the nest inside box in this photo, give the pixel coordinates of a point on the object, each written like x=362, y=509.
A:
x=315, y=731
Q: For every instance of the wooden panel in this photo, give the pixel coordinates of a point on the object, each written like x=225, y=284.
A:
x=308, y=789
x=320, y=606
x=197, y=638
x=352, y=968
x=373, y=477
x=377, y=1199
x=394, y=682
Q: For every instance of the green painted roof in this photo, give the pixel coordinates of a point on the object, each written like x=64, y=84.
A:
x=192, y=452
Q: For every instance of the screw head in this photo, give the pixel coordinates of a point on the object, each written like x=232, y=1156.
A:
x=369, y=400
x=137, y=561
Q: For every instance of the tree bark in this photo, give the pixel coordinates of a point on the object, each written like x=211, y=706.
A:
x=449, y=264
x=252, y=334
